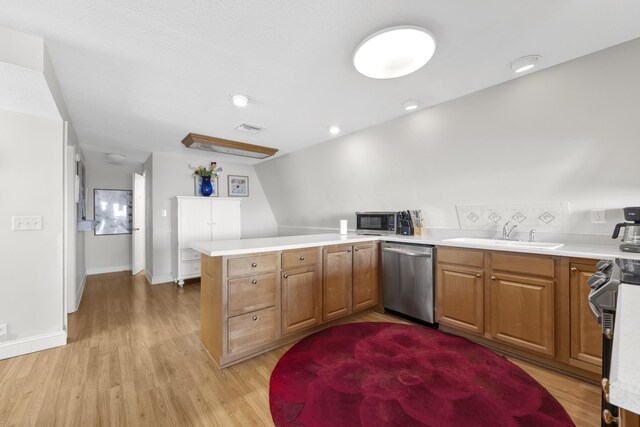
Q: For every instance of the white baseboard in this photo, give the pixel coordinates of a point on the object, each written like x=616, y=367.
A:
x=148, y=276
x=165, y=278
x=110, y=269
x=31, y=344
x=80, y=290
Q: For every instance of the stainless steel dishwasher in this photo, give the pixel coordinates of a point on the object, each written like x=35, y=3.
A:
x=407, y=280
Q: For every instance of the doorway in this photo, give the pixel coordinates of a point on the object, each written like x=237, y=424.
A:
x=138, y=224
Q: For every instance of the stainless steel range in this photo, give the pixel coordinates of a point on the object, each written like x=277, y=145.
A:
x=602, y=302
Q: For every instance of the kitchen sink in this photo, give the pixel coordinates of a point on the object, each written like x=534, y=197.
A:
x=505, y=243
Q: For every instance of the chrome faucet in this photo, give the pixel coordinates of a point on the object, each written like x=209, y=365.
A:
x=506, y=230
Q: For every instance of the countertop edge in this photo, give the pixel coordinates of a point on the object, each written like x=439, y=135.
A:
x=568, y=250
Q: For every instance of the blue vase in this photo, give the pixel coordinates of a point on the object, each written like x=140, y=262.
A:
x=205, y=187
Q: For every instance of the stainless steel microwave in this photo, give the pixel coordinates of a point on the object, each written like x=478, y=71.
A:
x=382, y=223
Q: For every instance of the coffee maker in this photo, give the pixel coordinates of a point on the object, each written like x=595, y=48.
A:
x=631, y=237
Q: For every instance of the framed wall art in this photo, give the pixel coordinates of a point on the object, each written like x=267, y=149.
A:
x=238, y=186
x=112, y=212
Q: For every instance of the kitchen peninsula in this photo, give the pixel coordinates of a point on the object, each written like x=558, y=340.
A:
x=258, y=294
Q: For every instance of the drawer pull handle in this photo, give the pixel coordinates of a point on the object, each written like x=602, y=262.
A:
x=493, y=277
x=254, y=281
x=255, y=318
x=286, y=275
x=254, y=265
x=301, y=258
x=574, y=269
x=478, y=275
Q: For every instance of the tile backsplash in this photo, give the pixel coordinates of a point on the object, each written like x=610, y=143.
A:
x=551, y=217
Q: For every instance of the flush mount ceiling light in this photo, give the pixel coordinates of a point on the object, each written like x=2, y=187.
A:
x=411, y=104
x=240, y=100
x=334, y=129
x=525, y=63
x=394, y=52
x=116, y=158
x=225, y=146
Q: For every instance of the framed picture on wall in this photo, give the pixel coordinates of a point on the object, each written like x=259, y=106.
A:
x=112, y=212
x=238, y=186
x=197, y=182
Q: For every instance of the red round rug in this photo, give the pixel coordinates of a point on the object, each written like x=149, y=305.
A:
x=390, y=374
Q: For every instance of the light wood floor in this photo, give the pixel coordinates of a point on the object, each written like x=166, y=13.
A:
x=134, y=358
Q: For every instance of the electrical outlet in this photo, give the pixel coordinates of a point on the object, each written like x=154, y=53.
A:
x=598, y=216
x=3, y=332
x=23, y=223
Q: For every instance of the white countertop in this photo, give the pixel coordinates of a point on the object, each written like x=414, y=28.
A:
x=624, y=389
x=248, y=246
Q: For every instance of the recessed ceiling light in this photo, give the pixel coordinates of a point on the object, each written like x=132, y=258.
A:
x=525, y=63
x=394, y=52
x=240, y=100
x=411, y=104
x=334, y=129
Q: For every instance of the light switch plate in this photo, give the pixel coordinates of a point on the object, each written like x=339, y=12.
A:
x=24, y=223
x=598, y=216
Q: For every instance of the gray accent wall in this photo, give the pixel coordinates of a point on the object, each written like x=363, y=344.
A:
x=570, y=133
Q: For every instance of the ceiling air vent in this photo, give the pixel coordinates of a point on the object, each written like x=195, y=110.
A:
x=219, y=145
x=249, y=128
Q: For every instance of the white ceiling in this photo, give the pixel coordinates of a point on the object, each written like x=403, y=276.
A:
x=137, y=76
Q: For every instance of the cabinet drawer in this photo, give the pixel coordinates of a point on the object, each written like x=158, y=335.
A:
x=189, y=255
x=299, y=258
x=252, y=265
x=251, y=294
x=190, y=267
x=460, y=256
x=251, y=330
x=523, y=264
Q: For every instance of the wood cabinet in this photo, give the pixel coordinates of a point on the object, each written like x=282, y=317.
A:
x=531, y=306
x=460, y=289
x=350, y=279
x=514, y=304
x=522, y=312
x=366, y=277
x=300, y=299
x=585, y=332
x=337, y=281
x=253, y=303
x=199, y=218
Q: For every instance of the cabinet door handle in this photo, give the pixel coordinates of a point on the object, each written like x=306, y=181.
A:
x=478, y=275
x=254, y=281
x=285, y=276
x=255, y=318
x=253, y=264
x=574, y=269
x=493, y=277
x=348, y=250
x=356, y=249
x=301, y=258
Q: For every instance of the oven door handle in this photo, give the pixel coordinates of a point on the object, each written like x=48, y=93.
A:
x=405, y=252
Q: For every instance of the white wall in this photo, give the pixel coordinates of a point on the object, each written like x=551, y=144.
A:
x=568, y=133
x=147, y=170
x=172, y=177
x=31, y=183
x=107, y=253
